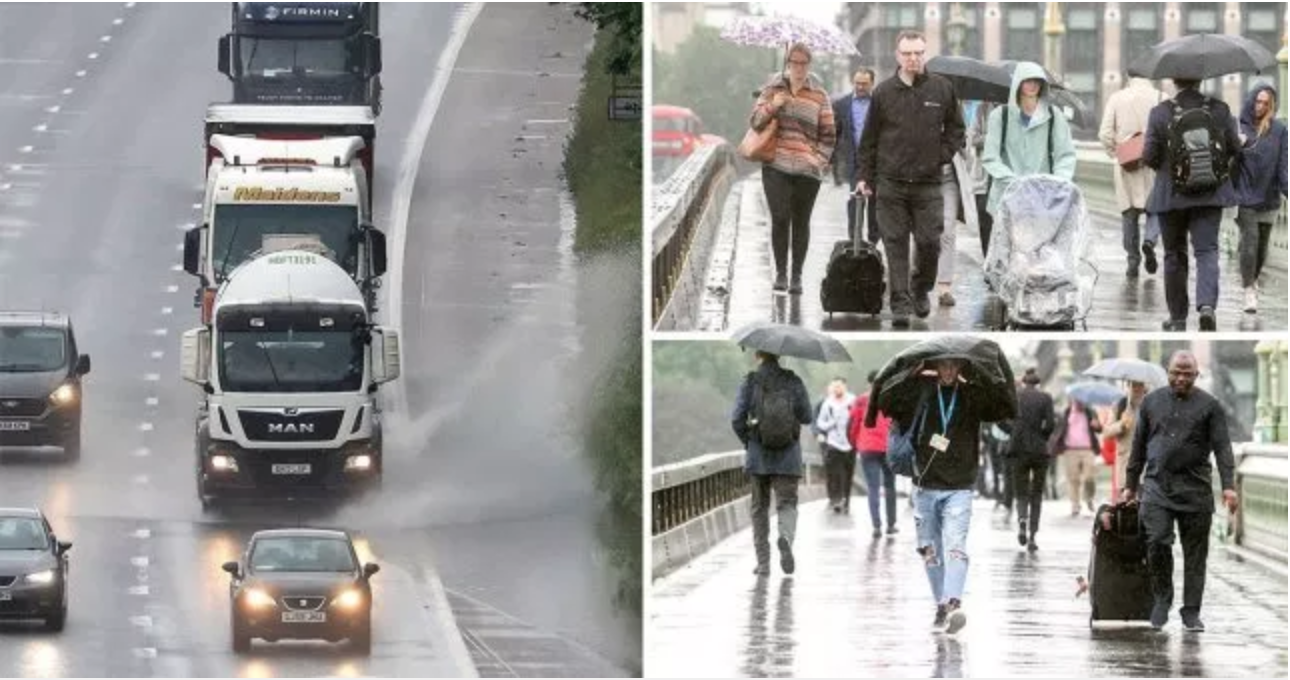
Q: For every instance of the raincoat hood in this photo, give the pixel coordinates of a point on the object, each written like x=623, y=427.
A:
x=1029, y=70
x=1247, y=110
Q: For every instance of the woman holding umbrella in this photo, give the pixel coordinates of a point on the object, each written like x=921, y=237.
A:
x=1120, y=429
x=804, y=136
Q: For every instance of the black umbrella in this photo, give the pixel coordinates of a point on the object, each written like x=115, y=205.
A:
x=1202, y=56
x=974, y=79
x=791, y=341
x=988, y=375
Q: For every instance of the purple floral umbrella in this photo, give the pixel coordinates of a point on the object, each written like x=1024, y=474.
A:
x=783, y=31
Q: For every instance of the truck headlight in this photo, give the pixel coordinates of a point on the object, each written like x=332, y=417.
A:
x=41, y=578
x=223, y=463
x=64, y=395
x=359, y=462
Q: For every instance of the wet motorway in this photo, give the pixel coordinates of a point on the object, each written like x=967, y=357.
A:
x=484, y=527
x=861, y=607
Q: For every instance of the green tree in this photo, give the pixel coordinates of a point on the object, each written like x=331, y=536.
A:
x=624, y=19
x=715, y=79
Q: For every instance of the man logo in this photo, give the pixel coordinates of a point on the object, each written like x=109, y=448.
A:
x=291, y=428
x=290, y=411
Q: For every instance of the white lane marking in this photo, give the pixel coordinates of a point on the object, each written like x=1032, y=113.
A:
x=81, y=73
x=518, y=73
x=142, y=533
x=167, y=310
x=530, y=137
x=185, y=226
x=176, y=267
x=141, y=621
x=41, y=128
x=152, y=377
x=93, y=55
x=196, y=206
x=546, y=121
x=6, y=186
x=157, y=354
x=26, y=149
x=151, y=401
x=129, y=5
x=138, y=590
x=160, y=331
x=142, y=452
x=416, y=144
x=141, y=479
x=68, y=90
x=140, y=561
x=15, y=61
x=172, y=289
x=118, y=21
x=145, y=652
x=53, y=109
x=145, y=427
x=106, y=38
x=15, y=167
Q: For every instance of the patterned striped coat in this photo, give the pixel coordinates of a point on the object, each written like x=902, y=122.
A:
x=806, y=135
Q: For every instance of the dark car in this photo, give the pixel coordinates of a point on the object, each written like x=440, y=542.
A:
x=301, y=584
x=33, y=568
x=40, y=382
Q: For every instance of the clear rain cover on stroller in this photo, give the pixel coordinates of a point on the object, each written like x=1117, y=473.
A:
x=1040, y=238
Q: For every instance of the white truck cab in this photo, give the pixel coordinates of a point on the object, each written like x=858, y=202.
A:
x=289, y=366
x=262, y=194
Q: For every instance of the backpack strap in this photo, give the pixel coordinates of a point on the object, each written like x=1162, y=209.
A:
x=1052, y=123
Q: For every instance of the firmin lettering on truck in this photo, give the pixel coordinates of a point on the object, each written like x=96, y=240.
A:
x=285, y=195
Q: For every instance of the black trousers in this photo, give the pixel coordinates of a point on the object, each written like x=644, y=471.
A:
x=791, y=199
x=1029, y=474
x=1193, y=528
x=985, y=223
x=910, y=210
x=839, y=470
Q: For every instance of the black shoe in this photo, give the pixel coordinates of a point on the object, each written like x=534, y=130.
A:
x=762, y=569
x=786, y=556
x=1159, y=616
x=877, y=533
x=892, y=529
x=900, y=321
x=1131, y=272
x=1030, y=546
x=1149, y=257
x=942, y=616
x=781, y=283
x=1193, y=624
x=795, y=288
x=1021, y=533
x=1207, y=322
x=1175, y=325
x=922, y=305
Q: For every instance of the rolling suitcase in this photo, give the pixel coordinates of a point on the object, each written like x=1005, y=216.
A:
x=1119, y=586
x=856, y=279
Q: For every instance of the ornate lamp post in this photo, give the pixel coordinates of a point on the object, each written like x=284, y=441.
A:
x=1054, y=29
x=956, y=29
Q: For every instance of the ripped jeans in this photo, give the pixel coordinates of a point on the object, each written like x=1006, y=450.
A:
x=942, y=518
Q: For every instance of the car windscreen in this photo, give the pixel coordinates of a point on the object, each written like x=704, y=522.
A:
x=32, y=349
x=301, y=554
x=22, y=533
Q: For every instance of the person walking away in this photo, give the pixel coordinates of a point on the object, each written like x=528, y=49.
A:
x=839, y=458
x=946, y=459
x=1029, y=136
x=1073, y=439
x=1125, y=119
x=1030, y=432
x=1191, y=143
x=870, y=443
x=850, y=112
x=1260, y=185
x=770, y=410
x=976, y=114
x=1170, y=475
x=914, y=129
x=1120, y=429
x=804, y=141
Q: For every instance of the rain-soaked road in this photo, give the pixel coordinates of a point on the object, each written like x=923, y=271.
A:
x=100, y=171
x=861, y=607
x=1119, y=303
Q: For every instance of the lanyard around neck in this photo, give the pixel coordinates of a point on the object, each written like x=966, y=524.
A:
x=947, y=414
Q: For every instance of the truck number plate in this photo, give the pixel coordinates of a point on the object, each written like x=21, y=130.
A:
x=292, y=469
x=304, y=617
x=14, y=425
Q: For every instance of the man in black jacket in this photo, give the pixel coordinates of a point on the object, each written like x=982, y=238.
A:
x=913, y=131
x=1029, y=453
x=1178, y=428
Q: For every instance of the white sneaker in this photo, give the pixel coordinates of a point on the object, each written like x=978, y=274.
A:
x=1251, y=299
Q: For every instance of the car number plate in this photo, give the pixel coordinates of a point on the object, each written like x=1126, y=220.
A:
x=14, y=425
x=292, y=469
x=304, y=617
x=5, y=596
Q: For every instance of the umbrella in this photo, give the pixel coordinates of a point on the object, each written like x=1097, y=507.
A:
x=898, y=386
x=791, y=341
x=1202, y=56
x=782, y=31
x=1135, y=370
x=1094, y=393
x=974, y=79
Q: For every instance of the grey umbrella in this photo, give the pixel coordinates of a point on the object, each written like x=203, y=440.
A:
x=791, y=341
x=1135, y=370
x=1202, y=56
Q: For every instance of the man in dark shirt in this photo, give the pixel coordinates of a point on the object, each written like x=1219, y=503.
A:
x=771, y=470
x=945, y=470
x=908, y=144
x=1169, y=472
x=1029, y=453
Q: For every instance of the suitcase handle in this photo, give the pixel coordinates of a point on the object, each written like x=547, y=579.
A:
x=861, y=219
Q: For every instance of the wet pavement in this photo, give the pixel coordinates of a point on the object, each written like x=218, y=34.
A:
x=861, y=607
x=1119, y=303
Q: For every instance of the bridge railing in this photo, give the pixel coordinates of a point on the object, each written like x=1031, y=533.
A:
x=1260, y=524
x=685, y=211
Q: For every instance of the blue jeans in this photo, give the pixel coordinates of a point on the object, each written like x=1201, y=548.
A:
x=878, y=478
x=942, y=518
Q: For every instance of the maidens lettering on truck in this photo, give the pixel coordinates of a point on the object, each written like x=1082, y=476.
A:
x=289, y=368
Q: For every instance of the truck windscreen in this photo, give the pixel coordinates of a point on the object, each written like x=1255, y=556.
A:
x=299, y=57
x=291, y=361
x=240, y=230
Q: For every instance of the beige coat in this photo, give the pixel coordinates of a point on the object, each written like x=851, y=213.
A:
x=1126, y=113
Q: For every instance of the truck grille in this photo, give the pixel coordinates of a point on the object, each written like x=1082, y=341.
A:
x=13, y=407
x=307, y=426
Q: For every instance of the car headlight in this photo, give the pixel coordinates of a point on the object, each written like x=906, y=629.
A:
x=41, y=578
x=349, y=599
x=258, y=599
x=64, y=395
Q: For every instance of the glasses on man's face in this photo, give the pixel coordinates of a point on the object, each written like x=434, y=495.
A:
x=799, y=62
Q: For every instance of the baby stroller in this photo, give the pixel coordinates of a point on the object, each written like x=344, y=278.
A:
x=1040, y=240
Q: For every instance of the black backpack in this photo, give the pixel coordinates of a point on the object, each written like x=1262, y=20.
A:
x=1198, y=154
x=774, y=415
